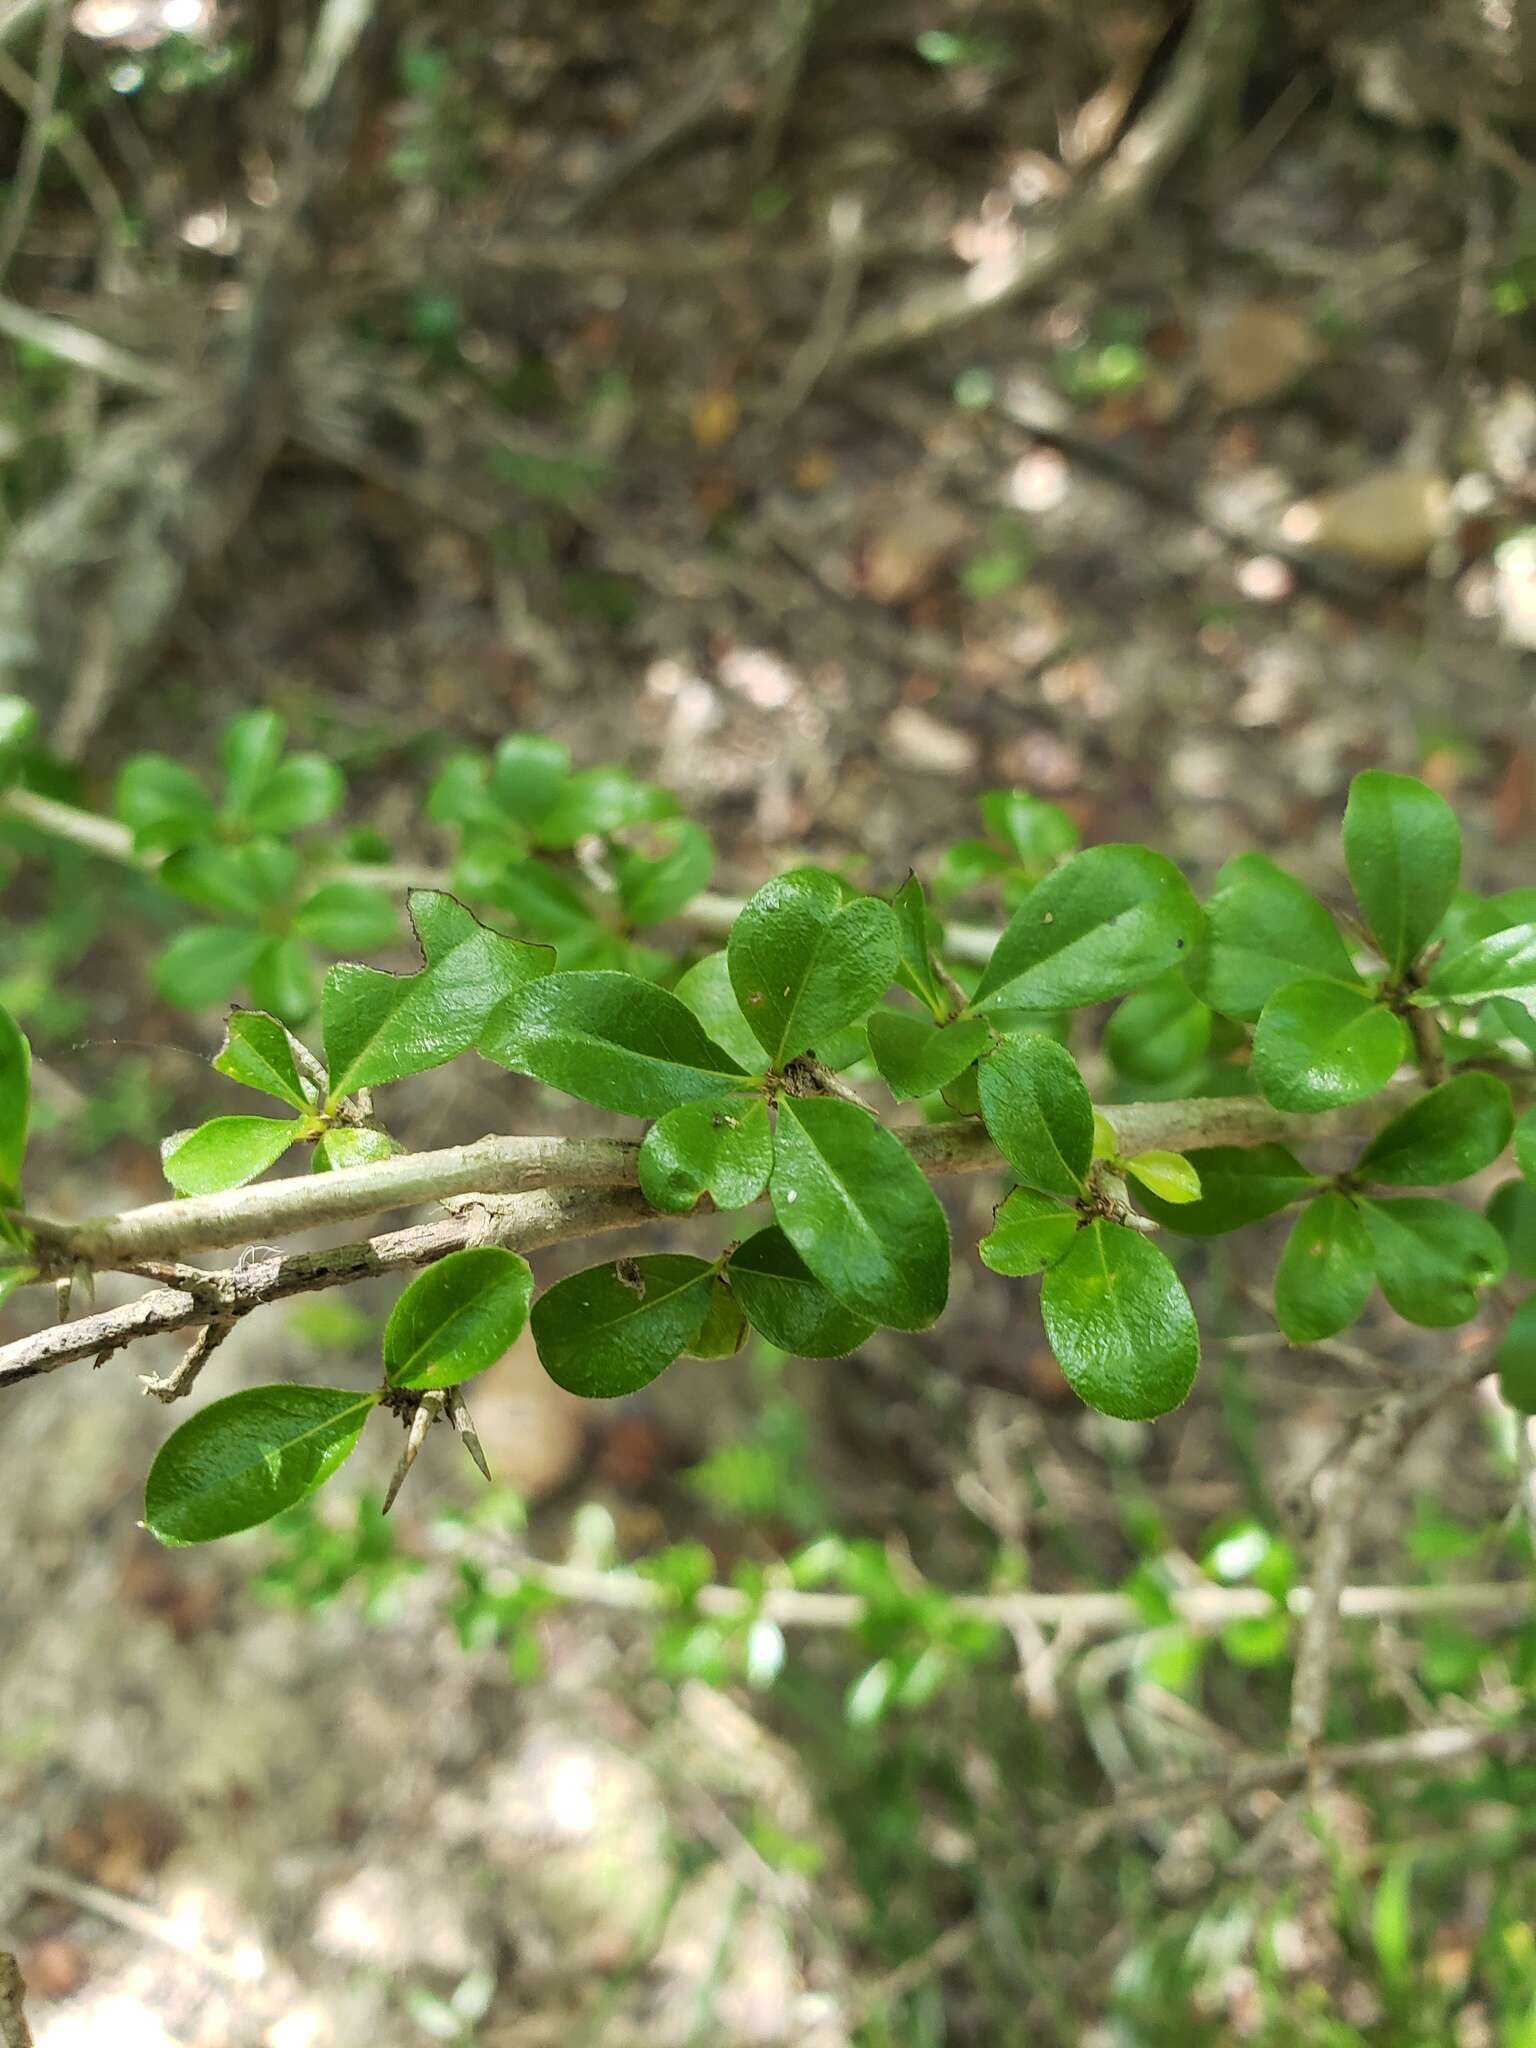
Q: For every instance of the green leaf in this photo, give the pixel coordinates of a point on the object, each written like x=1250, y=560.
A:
x=1109, y=920
x=18, y=723
x=916, y=936
x=725, y=1327
x=612, y=1329
x=1512, y=1212
x=205, y=963
x=165, y=804
x=250, y=749
x=246, y=1458
x=856, y=1207
x=918, y=1057
x=225, y=1153
x=282, y=979
x=348, y=917
x=1517, y=1359
x=302, y=791
x=528, y=772
x=720, y=1146
x=1449, y=1132
x=1402, y=847
x=1319, y=1044
x=1038, y=1114
x=1036, y=833
x=787, y=1304
x=1263, y=930
x=967, y=864
x=1120, y=1323
x=378, y=1027
x=1325, y=1274
x=538, y=896
x=1525, y=1144
x=351, y=1145
x=600, y=801
x=804, y=964
x=457, y=1318
x=1432, y=1257
x=706, y=990
x=654, y=888
x=243, y=882
x=1168, y=1175
x=1160, y=1032
x=15, y=1098
x=1029, y=1232
x=610, y=1039
x=258, y=1053
x=1239, y=1184
x=1504, y=964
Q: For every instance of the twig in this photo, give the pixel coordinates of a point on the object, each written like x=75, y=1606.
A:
x=815, y=355
x=140, y=1920
x=34, y=143
x=14, y=2031
x=799, y=18
x=175, y=1385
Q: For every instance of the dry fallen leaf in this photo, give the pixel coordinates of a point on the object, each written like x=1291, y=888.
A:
x=1254, y=350
x=1387, y=521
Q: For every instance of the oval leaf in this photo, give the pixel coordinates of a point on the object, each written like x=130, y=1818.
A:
x=724, y=1329
x=1120, y=1324
x=1168, y=1175
x=1239, y=1184
x=457, y=1318
x=720, y=1147
x=1029, y=1232
x=1512, y=1212
x=918, y=1057
x=1159, y=1033
x=1109, y=920
x=1432, y=1257
x=1525, y=1144
x=785, y=1302
x=1501, y=965
x=856, y=1207
x=612, y=1329
x=226, y=1152
x=803, y=963
x=1517, y=1359
x=246, y=1458
x=258, y=1053
x=610, y=1039
x=351, y=1145
x=1325, y=1274
x=1038, y=1114
x=1319, y=1044
x=1402, y=846
x=706, y=990
x=1451, y=1131
x=1263, y=930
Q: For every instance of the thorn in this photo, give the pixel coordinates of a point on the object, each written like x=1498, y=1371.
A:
x=427, y=1412
x=458, y=1415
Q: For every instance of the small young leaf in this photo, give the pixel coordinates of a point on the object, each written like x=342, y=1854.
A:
x=1168, y=1175
x=706, y=990
x=654, y=888
x=600, y=801
x=857, y=1208
x=1449, y=1132
x=1120, y=1323
x=282, y=979
x=1159, y=1033
x=302, y=791
x=1512, y=1212
x=1325, y=1274
x=242, y=882
x=1036, y=833
x=348, y=917
x=351, y=1145
x=918, y=1057
x=804, y=964
x=246, y=1458
x=457, y=1318
x=1263, y=930
x=609, y=1039
x=916, y=937
x=225, y=1153
x=204, y=963
x=1432, y=1257
x=1109, y=920
x=258, y=1053
x=1038, y=1114
x=611, y=1329
x=250, y=749
x=725, y=1327
x=1504, y=964
x=1402, y=846
x=1239, y=1184
x=787, y=1304
x=1029, y=1232
x=1517, y=1359
x=528, y=772
x=165, y=804
x=720, y=1146
x=379, y=1027
x=15, y=1099
x=1319, y=1044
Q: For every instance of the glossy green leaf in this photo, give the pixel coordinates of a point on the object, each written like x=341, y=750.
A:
x=1432, y=1257
x=242, y=882
x=164, y=804
x=1517, y=1359
x=1503, y=964
x=258, y=1053
x=855, y=1206
x=1029, y=1232
x=1402, y=846
x=720, y=1146
x=1109, y=920
x=609, y=1039
x=655, y=886
x=1319, y=1044
x=919, y=1057
x=348, y=917
x=457, y=1318
x=1449, y=1132
x=1168, y=1175
x=917, y=936
x=804, y=964
x=282, y=978
x=205, y=963
x=378, y=1027
x=1512, y=1212
x=250, y=748
x=787, y=1304
x=226, y=1152
x=302, y=791
x=1326, y=1272
x=1120, y=1323
x=1239, y=1184
x=611, y=1329
x=246, y=1458
x=1264, y=930
x=1038, y=1114
x=15, y=1098
x=725, y=1327
x=351, y=1145
x=706, y=990
x=528, y=772
x=1038, y=834
x=1160, y=1032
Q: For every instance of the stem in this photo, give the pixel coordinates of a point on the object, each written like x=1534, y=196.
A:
x=1427, y=1046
